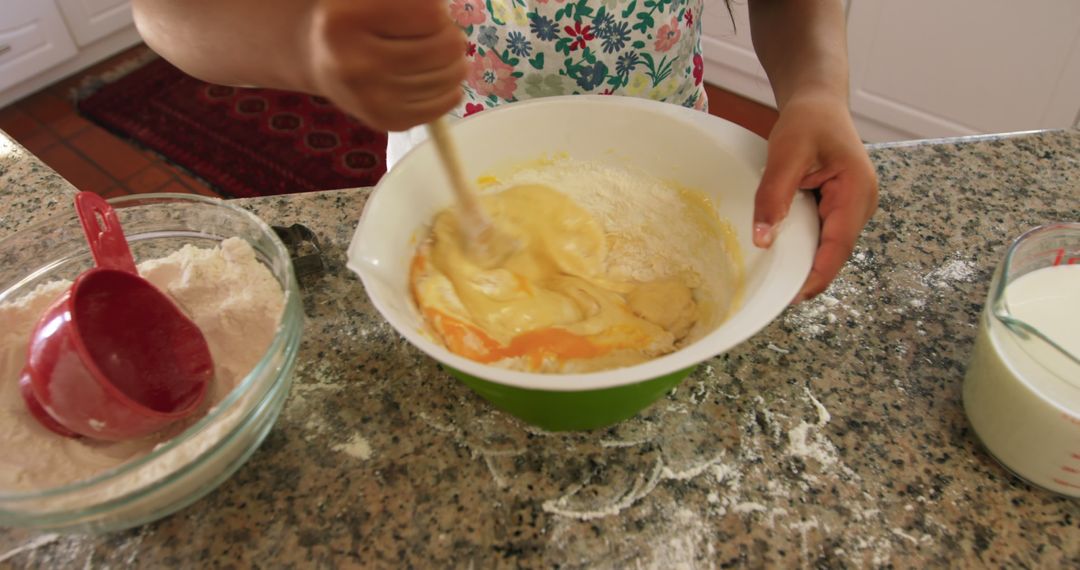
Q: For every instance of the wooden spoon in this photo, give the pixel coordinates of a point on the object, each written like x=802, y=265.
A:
x=487, y=246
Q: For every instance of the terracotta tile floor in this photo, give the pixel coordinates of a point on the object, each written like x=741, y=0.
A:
x=91, y=158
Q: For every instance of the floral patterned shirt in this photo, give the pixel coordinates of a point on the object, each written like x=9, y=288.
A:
x=520, y=49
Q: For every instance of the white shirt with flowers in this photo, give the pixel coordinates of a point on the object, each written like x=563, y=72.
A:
x=520, y=49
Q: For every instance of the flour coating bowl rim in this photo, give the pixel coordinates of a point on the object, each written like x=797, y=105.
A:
x=795, y=246
x=286, y=341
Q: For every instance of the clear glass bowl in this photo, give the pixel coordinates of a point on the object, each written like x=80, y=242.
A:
x=189, y=466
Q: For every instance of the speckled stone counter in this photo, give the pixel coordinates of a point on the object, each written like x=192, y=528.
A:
x=29, y=190
x=834, y=438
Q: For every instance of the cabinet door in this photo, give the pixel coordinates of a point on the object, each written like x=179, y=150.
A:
x=32, y=39
x=91, y=20
x=933, y=68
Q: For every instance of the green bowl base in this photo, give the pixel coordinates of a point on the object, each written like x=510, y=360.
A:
x=573, y=411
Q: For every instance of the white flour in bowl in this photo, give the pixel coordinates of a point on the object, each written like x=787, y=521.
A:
x=616, y=267
x=655, y=228
x=227, y=292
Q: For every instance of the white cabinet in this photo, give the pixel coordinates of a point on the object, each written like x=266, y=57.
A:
x=39, y=46
x=934, y=68
x=91, y=20
x=32, y=38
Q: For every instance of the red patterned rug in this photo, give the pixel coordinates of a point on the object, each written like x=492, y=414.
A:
x=242, y=142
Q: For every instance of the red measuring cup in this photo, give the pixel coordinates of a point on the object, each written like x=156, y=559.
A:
x=114, y=358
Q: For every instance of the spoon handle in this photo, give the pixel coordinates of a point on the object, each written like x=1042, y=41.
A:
x=473, y=215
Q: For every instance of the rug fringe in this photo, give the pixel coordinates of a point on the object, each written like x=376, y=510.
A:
x=91, y=84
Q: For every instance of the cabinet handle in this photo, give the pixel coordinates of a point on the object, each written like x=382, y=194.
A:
x=4, y=49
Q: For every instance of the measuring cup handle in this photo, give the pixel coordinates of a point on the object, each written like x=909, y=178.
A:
x=103, y=233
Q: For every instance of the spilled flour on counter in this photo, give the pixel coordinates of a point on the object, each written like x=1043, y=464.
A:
x=236, y=303
x=803, y=443
x=732, y=458
x=847, y=302
x=837, y=306
x=38, y=542
x=687, y=540
x=954, y=270
x=356, y=446
x=892, y=297
x=652, y=492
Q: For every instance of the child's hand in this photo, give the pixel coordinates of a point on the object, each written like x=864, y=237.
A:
x=814, y=145
x=394, y=64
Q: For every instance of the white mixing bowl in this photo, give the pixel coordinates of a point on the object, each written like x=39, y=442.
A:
x=694, y=149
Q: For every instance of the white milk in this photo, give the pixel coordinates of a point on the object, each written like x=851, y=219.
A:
x=1021, y=395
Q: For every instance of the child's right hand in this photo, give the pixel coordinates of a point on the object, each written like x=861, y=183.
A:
x=393, y=64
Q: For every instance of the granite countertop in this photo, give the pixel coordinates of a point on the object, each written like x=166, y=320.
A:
x=834, y=438
x=29, y=190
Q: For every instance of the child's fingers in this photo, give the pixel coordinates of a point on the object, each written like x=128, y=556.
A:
x=837, y=243
x=429, y=85
x=421, y=55
x=387, y=19
x=816, y=179
x=405, y=115
x=389, y=81
x=411, y=18
x=359, y=52
x=847, y=202
x=784, y=169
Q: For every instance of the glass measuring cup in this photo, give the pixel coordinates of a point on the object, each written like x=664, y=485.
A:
x=1022, y=387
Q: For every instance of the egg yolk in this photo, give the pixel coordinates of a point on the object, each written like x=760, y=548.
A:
x=549, y=301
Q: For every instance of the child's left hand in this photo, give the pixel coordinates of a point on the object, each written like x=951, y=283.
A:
x=814, y=145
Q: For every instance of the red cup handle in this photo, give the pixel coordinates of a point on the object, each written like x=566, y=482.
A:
x=103, y=233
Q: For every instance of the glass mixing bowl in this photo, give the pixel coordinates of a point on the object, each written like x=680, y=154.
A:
x=187, y=467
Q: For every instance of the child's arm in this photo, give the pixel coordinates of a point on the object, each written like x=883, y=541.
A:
x=392, y=63
x=803, y=47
